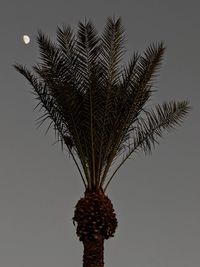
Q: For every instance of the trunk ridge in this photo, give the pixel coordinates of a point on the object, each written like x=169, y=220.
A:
x=93, y=255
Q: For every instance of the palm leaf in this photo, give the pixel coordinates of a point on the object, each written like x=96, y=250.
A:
x=53, y=112
x=136, y=91
x=145, y=133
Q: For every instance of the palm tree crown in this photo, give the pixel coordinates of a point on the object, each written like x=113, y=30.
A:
x=96, y=106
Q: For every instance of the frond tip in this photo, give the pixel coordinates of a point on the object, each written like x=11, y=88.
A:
x=152, y=126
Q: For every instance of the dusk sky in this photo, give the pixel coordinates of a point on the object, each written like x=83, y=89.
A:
x=156, y=198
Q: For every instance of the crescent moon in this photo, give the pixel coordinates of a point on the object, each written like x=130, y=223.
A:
x=26, y=39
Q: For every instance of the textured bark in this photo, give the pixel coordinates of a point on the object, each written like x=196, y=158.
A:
x=93, y=255
x=95, y=217
x=96, y=221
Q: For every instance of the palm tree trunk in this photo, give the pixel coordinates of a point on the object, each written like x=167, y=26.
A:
x=93, y=255
x=96, y=222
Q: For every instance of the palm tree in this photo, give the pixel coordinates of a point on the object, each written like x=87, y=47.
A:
x=98, y=109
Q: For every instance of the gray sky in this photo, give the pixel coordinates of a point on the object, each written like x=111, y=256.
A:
x=156, y=198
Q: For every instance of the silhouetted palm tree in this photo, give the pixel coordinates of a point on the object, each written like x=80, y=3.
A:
x=98, y=110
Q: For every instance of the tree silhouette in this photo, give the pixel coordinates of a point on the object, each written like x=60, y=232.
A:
x=98, y=109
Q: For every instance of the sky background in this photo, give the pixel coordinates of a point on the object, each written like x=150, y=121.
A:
x=157, y=198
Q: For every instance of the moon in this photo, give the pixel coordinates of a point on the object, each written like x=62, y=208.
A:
x=26, y=39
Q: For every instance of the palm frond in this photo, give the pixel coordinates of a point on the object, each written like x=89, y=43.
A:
x=89, y=50
x=144, y=76
x=136, y=89
x=46, y=102
x=113, y=40
x=148, y=129
x=141, y=84
x=53, y=112
x=60, y=76
x=112, y=50
x=87, y=46
x=66, y=40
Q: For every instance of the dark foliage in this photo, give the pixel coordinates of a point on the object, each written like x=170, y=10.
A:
x=97, y=107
